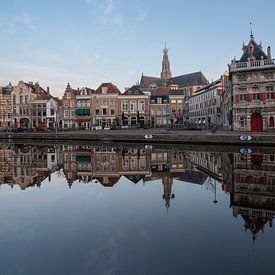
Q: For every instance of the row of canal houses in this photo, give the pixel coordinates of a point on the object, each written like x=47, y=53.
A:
x=242, y=99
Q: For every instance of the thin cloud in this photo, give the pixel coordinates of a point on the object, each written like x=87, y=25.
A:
x=25, y=20
x=142, y=14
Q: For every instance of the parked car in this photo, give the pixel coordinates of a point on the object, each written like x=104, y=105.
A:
x=196, y=127
x=96, y=128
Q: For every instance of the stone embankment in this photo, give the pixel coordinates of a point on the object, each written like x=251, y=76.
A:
x=148, y=136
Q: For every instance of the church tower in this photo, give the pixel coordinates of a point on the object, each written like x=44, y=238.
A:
x=166, y=73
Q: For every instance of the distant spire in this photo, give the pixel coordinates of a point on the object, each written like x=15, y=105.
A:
x=165, y=73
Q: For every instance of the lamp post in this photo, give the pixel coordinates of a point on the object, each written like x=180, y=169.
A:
x=215, y=192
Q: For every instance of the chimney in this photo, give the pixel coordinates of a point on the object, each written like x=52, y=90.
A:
x=269, y=53
x=36, y=87
x=48, y=90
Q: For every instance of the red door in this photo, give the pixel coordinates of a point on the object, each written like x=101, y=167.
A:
x=256, y=123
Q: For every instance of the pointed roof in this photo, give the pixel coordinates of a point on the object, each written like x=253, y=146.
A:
x=147, y=81
x=252, y=50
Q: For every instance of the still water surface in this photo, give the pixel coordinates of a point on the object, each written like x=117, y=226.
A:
x=105, y=210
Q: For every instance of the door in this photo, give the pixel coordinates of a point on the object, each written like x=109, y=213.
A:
x=256, y=123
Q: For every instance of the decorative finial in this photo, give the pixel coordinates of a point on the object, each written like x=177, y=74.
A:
x=251, y=31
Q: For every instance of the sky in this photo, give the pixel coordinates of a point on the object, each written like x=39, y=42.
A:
x=87, y=42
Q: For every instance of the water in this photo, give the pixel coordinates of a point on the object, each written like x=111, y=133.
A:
x=114, y=210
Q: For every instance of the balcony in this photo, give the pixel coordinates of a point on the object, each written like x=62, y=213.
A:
x=237, y=66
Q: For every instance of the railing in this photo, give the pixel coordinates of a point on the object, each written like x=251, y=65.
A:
x=236, y=65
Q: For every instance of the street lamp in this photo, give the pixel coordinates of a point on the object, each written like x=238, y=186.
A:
x=215, y=192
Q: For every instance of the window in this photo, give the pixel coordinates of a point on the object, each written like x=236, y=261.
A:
x=242, y=121
x=21, y=99
x=112, y=101
x=271, y=122
x=112, y=111
x=141, y=106
x=26, y=99
x=104, y=111
x=97, y=112
x=269, y=88
x=104, y=101
x=243, y=90
x=173, y=101
x=14, y=100
x=133, y=106
x=270, y=95
x=52, y=112
x=159, y=100
x=124, y=106
x=68, y=96
x=255, y=89
x=65, y=113
x=72, y=112
x=242, y=97
x=256, y=96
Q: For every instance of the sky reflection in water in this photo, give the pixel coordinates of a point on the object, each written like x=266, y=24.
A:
x=125, y=226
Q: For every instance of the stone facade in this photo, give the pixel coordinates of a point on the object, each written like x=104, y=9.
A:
x=253, y=88
x=205, y=105
x=133, y=108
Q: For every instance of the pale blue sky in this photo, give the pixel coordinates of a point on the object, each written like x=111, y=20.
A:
x=86, y=42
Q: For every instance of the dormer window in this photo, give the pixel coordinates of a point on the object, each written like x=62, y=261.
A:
x=104, y=90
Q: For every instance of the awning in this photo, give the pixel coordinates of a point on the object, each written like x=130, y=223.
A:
x=83, y=158
x=82, y=112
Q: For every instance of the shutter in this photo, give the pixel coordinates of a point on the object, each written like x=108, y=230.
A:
x=263, y=96
x=237, y=98
x=249, y=97
x=250, y=179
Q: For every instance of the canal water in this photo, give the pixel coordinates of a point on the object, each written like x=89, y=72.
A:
x=71, y=209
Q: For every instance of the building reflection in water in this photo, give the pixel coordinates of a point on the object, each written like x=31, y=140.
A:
x=249, y=180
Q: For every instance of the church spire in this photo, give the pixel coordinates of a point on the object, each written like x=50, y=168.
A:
x=165, y=73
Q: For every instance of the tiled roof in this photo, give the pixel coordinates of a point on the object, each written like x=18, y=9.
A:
x=188, y=80
x=111, y=88
x=257, y=51
x=147, y=81
x=161, y=91
x=134, y=90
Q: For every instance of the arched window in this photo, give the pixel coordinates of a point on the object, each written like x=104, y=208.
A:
x=133, y=121
x=124, y=106
x=141, y=106
x=271, y=121
x=133, y=106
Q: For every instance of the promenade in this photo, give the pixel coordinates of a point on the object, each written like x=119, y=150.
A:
x=149, y=136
